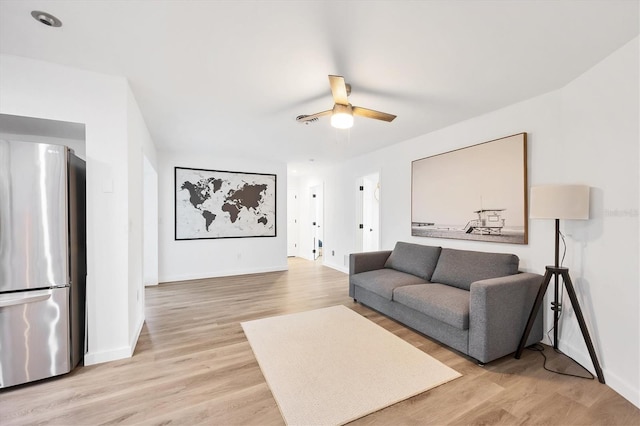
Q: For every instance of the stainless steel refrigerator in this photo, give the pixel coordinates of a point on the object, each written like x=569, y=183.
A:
x=42, y=261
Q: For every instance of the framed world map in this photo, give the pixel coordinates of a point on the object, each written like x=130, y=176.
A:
x=223, y=204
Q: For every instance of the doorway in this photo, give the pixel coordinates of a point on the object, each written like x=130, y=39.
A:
x=292, y=222
x=150, y=223
x=316, y=212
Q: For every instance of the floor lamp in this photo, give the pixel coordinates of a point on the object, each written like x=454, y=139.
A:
x=560, y=202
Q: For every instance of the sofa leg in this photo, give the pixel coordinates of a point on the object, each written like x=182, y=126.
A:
x=480, y=363
x=355, y=300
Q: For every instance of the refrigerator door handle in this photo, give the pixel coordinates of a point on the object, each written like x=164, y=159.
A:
x=24, y=298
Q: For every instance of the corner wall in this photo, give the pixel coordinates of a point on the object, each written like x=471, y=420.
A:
x=586, y=133
x=600, y=147
x=194, y=259
x=44, y=90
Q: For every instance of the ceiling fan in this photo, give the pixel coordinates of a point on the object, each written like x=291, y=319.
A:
x=343, y=112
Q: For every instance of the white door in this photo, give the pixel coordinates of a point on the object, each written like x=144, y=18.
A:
x=292, y=223
x=369, y=212
x=316, y=213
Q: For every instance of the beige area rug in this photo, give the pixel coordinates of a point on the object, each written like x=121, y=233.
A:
x=331, y=366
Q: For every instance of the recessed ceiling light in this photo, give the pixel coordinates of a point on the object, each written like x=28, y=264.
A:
x=46, y=18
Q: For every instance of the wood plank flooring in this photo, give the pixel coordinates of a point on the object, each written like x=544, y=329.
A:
x=193, y=365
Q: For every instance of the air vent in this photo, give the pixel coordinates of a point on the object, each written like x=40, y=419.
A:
x=46, y=19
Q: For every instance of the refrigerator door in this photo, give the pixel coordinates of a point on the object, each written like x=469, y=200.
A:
x=33, y=218
x=34, y=335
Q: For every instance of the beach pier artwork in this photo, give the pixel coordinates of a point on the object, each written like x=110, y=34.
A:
x=489, y=225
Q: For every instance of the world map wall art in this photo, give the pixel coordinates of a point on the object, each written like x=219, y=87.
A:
x=223, y=204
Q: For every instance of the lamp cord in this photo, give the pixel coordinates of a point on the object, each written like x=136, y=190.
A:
x=539, y=348
x=564, y=254
x=564, y=248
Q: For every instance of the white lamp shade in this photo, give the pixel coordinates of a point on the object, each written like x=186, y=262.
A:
x=559, y=202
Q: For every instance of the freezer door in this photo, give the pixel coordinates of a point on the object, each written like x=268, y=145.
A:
x=34, y=335
x=33, y=216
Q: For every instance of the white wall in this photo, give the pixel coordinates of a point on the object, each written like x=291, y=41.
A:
x=193, y=259
x=44, y=90
x=600, y=142
x=539, y=117
x=585, y=133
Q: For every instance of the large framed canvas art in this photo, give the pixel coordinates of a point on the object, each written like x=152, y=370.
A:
x=223, y=204
x=474, y=193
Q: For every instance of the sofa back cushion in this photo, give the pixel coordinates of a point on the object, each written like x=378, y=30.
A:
x=414, y=259
x=459, y=268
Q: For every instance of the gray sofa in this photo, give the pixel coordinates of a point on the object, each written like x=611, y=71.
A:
x=477, y=303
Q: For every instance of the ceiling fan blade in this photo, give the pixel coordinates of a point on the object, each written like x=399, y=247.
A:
x=338, y=89
x=369, y=113
x=303, y=118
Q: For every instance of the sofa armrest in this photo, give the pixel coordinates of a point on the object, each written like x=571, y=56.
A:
x=363, y=262
x=368, y=261
x=498, y=312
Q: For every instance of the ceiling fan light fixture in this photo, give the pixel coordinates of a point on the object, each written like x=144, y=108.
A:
x=342, y=111
x=342, y=117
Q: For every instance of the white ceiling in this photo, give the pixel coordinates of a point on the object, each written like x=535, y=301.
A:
x=231, y=76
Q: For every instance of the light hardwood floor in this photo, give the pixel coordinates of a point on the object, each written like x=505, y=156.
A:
x=193, y=365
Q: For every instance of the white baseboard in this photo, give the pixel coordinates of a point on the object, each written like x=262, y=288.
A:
x=215, y=274
x=622, y=387
x=618, y=384
x=91, y=358
x=337, y=267
x=134, y=339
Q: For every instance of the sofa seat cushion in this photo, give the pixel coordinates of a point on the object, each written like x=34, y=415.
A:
x=414, y=259
x=442, y=302
x=383, y=281
x=460, y=268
